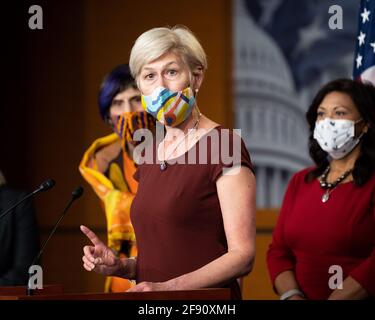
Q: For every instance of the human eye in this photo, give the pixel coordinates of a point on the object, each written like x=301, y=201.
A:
x=340, y=113
x=172, y=72
x=137, y=98
x=149, y=76
x=320, y=114
x=117, y=103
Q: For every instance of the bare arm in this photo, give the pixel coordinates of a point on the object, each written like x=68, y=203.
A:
x=286, y=281
x=351, y=290
x=238, y=211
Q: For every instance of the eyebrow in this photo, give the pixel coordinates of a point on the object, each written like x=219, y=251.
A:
x=166, y=65
x=135, y=96
x=334, y=108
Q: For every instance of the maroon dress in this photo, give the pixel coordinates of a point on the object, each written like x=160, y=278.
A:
x=177, y=217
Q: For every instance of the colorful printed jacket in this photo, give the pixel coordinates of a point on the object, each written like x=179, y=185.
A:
x=116, y=190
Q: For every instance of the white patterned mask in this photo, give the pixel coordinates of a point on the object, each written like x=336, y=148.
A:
x=336, y=136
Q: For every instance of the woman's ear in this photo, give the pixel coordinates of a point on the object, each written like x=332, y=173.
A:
x=198, y=76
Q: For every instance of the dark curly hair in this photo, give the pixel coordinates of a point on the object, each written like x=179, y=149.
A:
x=363, y=96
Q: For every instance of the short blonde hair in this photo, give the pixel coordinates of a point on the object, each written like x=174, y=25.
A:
x=156, y=42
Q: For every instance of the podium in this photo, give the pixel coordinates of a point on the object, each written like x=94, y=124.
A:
x=55, y=292
x=53, y=289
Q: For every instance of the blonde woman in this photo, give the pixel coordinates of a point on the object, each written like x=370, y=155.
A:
x=195, y=225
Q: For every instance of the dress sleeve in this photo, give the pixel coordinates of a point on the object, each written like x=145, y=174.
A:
x=280, y=256
x=228, y=158
x=365, y=272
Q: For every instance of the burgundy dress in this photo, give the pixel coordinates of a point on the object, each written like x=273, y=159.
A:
x=177, y=217
x=311, y=236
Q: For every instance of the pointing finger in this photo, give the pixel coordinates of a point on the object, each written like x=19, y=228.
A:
x=91, y=235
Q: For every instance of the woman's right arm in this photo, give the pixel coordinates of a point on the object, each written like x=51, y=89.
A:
x=280, y=257
x=127, y=268
x=101, y=259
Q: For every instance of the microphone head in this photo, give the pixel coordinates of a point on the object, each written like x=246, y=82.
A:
x=77, y=192
x=46, y=185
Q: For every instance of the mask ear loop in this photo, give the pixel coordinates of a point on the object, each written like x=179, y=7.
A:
x=361, y=135
x=196, y=103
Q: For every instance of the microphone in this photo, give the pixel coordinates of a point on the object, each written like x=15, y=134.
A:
x=46, y=185
x=77, y=193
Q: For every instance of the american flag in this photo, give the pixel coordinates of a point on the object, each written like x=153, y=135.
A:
x=364, y=59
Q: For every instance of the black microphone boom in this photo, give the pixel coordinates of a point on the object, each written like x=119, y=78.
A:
x=46, y=185
x=75, y=195
x=77, y=192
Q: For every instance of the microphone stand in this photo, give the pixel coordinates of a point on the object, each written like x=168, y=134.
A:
x=75, y=195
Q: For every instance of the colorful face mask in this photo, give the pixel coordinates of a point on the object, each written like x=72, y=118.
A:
x=129, y=122
x=336, y=136
x=169, y=108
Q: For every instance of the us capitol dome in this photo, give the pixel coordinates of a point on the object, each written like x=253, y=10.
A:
x=267, y=109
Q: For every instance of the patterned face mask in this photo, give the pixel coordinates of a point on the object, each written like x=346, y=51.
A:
x=168, y=107
x=336, y=136
x=128, y=122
